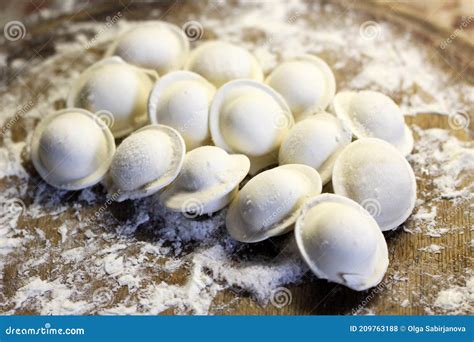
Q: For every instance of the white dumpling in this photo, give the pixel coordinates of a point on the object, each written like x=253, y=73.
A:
x=315, y=141
x=116, y=91
x=181, y=99
x=305, y=82
x=71, y=149
x=376, y=175
x=250, y=118
x=220, y=62
x=341, y=242
x=159, y=46
x=145, y=162
x=370, y=114
x=207, y=182
x=269, y=203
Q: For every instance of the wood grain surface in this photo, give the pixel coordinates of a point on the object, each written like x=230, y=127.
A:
x=319, y=297
x=409, y=275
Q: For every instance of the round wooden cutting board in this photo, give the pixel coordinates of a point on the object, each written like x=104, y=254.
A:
x=410, y=275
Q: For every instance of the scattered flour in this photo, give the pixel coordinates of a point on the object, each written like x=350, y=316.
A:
x=447, y=161
x=432, y=249
x=143, y=259
x=63, y=232
x=113, y=265
x=449, y=165
x=405, y=303
x=457, y=299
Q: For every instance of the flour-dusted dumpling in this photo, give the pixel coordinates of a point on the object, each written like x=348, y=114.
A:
x=316, y=142
x=370, y=114
x=220, y=62
x=145, y=162
x=159, y=46
x=250, y=118
x=208, y=180
x=376, y=175
x=305, y=82
x=72, y=149
x=115, y=90
x=181, y=99
x=341, y=242
x=269, y=203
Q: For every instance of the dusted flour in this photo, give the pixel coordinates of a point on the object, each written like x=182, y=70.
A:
x=77, y=253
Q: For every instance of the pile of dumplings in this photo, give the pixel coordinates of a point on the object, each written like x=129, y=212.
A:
x=194, y=124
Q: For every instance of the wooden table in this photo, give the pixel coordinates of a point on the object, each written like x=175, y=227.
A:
x=314, y=296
